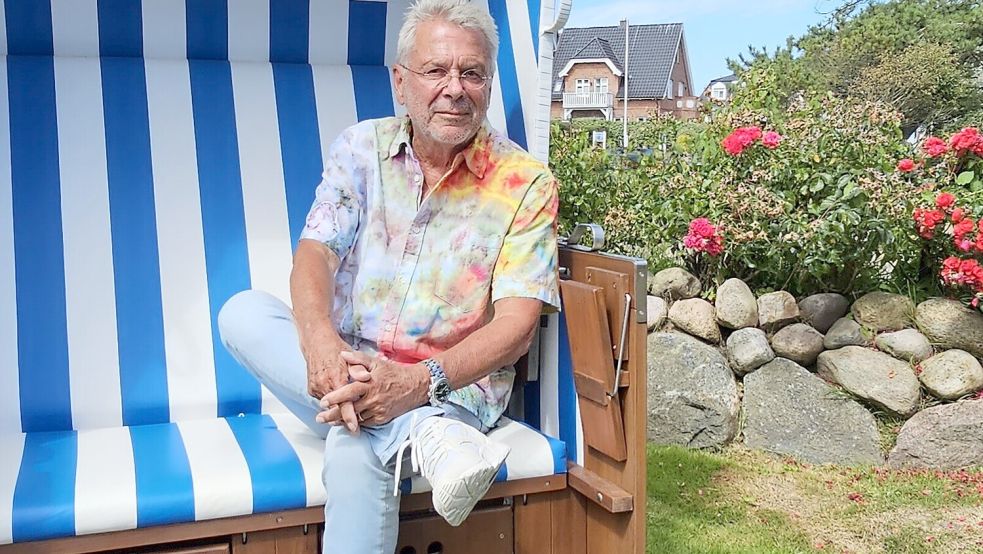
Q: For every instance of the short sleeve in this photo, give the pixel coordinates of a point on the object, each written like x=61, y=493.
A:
x=527, y=264
x=334, y=216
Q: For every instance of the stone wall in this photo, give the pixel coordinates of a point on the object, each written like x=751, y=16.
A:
x=809, y=377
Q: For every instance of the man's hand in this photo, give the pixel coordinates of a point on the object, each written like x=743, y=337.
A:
x=382, y=390
x=327, y=371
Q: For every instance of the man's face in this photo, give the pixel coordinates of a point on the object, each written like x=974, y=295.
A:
x=448, y=112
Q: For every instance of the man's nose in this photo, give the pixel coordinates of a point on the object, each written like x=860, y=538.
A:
x=454, y=88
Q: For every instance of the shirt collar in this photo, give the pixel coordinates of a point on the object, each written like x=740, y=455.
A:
x=475, y=155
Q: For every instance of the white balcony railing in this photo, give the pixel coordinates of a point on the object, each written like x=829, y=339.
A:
x=587, y=100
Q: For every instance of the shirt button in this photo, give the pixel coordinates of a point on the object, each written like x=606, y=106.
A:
x=418, y=178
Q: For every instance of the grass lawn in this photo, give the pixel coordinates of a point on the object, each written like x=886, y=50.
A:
x=739, y=501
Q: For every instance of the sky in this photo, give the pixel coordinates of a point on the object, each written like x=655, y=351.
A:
x=714, y=30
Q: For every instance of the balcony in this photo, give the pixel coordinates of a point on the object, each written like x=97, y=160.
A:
x=587, y=100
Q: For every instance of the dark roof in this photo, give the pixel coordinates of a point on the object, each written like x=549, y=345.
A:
x=728, y=79
x=598, y=48
x=652, y=53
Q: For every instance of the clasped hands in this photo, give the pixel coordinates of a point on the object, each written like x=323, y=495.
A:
x=368, y=390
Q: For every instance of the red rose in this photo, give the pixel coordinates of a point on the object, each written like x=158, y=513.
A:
x=945, y=200
x=958, y=214
x=771, y=139
x=966, y=225
x=967, y=140
x=739, y=139
x=906, y=165
x=934, y=147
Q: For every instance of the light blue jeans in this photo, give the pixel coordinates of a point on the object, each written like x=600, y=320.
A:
x=361, y=513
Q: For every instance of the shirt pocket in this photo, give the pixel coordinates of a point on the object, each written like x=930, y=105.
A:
x=464, y=280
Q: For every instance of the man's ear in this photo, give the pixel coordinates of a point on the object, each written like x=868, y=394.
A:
x=398, y=84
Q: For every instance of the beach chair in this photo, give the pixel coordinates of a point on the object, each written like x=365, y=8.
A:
x=157, y=157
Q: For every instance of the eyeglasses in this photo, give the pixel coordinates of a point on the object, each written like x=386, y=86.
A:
x=440, y=77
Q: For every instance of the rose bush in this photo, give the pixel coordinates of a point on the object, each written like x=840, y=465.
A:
x=809, y=197
x=950, y=223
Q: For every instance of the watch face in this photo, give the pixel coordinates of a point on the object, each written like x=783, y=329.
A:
x=441, y=390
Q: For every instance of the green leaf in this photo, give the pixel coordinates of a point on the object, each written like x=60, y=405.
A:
x=965, y=178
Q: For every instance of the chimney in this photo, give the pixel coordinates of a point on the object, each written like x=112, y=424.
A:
x=623, y=22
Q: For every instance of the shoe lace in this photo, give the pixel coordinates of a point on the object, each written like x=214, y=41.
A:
x=417, y=461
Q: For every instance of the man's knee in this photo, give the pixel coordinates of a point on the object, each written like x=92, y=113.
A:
x=240, y=321
x=350, y=465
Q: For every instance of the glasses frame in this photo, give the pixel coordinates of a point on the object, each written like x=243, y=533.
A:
x=440, y=82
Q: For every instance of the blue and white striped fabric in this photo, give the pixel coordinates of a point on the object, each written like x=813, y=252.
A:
x=156, y=157
x=189, y=471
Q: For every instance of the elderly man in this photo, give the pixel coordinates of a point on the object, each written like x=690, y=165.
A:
x=418, y=281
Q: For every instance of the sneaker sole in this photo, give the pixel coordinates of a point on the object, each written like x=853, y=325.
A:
x=454, y=501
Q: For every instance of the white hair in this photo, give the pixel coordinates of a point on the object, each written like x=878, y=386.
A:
x=463, y=13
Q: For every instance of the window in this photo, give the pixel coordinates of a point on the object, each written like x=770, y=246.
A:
x=601, y=84
x=719, y=91
x=669, y=95
x=558, y=86
x=682, y=90
x=583, y=86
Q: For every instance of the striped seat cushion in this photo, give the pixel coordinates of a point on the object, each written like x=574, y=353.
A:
x=157, y=157
x=65, y=483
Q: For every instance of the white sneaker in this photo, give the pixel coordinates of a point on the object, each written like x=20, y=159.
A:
x=459, y=461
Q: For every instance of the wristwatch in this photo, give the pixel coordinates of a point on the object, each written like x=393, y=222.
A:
x=440, y=387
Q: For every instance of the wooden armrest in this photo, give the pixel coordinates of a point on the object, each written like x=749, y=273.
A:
x=599, y=490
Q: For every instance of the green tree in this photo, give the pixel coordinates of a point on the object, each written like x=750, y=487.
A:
x=921, y=56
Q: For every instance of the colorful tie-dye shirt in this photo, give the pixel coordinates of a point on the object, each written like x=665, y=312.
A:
x=418, y=275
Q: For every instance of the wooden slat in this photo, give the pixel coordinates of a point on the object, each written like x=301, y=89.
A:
x=593, y=368
x=170, y=533
x=487, y=531
x=533, y=515
x=570, y=523
x=290, y=540
x=614, y=285
x=221, y=548
x=602, y=492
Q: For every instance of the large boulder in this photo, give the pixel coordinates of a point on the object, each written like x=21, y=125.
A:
x=674, y=283
x=776, y=310
x=883, y=311
x=798, y=342
x=845, y=332
x=692, y=394
x=696, y=317
x=951, y=374
x=949, y=436
x=791, y=411
x=748, y=349
x=883, y=381
x=657, y=311
x=908, y=345
x=822, y=310
x=949, y=324
x=736, y=305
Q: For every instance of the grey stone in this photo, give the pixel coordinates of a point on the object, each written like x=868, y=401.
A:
x=696, y=317
x=877, y=378
x=736, y=305
x=942, y=437
x=845, y=332
x=908, y=345
x=692, y=394
x=822, y=310
x=798, y=342
x=657, y=310
x=674, y=283
x=791, y=411
x=748, y=349
x=949, y=324
x=776, y=310
x=883, y=311
x=951, y=374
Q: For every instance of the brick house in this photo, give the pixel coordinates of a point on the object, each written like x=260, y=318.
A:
x=589, y=73
x=721, y=89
